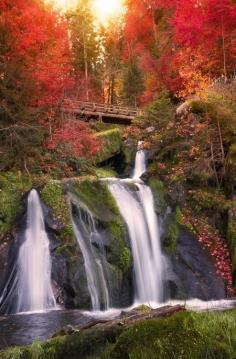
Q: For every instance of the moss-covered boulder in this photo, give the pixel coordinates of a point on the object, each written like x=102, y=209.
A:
x=185, y=335
x=111, y=144
x=68, y=261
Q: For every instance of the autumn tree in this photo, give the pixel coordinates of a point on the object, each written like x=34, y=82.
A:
x=36, y=73
x=112, y=50
x=86, y=51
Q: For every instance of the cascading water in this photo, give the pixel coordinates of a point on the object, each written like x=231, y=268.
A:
x=140, y=162
x=86, y=233
x=28, y=288
x=34, y=262
x=137, y=209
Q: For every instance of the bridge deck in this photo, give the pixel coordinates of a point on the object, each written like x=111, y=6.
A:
x=107, y=113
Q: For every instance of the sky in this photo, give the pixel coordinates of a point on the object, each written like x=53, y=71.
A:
x=104, y=10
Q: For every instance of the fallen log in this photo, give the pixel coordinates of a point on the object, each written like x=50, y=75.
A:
x=128, y=320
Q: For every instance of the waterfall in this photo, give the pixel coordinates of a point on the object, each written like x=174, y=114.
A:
x=94, y=260
x=140, y=162
x=138, y=211
x=34, y=290
x=28, y=287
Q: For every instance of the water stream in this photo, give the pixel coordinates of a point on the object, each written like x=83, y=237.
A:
x=138, y=211
x=29, y=286
x=87, y=235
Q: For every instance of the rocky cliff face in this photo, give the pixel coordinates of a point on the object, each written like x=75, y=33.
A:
x=190, y=274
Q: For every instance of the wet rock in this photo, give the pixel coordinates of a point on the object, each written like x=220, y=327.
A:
x=194, y=271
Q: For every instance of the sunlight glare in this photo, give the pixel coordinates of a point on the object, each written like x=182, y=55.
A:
x=107, y=9
x=104, y=10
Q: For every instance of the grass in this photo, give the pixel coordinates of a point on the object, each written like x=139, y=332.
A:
x=186, y=335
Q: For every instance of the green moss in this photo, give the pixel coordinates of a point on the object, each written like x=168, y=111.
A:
x=200, y=107
x=173, y=227
x=53, y=196
x=36, y=350
x=207, y=199
x=142, y=309
x=125, y=259
x=97, y=198
x=112, y=143
x=12, y=188
x=159, y=193
x=117, y=230
x=185, y=335
x=14, y=353
x=105, y=172
x=129, y=154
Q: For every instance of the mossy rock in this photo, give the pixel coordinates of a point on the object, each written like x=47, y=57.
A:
x=142, y=309
x=97, y=197
x=182, y=336
x=173, y=224
x=105, y=172
x=159, y=193
x=111, y=144
x=55, y=198
x=12, y=187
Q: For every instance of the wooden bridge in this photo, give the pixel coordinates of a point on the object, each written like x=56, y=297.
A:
x=103, y=112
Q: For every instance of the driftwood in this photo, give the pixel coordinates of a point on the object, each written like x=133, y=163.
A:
x=128, y=319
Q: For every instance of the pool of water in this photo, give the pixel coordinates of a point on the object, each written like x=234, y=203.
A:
x=24, y=329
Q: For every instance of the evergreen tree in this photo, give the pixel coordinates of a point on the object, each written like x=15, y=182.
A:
x=85, y=49
x=133, y=83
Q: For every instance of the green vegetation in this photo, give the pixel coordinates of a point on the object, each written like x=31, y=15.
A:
x=54, y=197
x=159, y=192
x=172, y=232
x=183, y=336
x=112, y=143
x=105, y=172
x=12, y=188
x=97, y=198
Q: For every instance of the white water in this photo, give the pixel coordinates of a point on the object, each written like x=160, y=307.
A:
x=138, y=212
x=140, y=163
x=34, y=290
x=85, y=233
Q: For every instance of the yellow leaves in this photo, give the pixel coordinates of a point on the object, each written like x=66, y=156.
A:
x=195, y=83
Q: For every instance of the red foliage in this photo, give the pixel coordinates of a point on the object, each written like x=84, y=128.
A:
x=183, y=44
x=75, y=139
x=38, y=39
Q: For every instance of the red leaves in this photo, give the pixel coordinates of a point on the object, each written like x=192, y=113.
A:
x=38, y=40
x=75, y=139
x=211, y=241
x=183, y=44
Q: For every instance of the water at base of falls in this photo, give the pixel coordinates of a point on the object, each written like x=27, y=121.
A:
x=31, y=288
x=86, y=232
x=138, y=211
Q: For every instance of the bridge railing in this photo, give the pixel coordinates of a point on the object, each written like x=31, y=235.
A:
x=104, y=109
